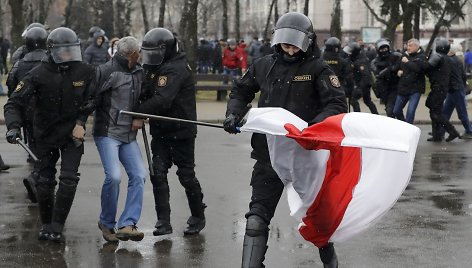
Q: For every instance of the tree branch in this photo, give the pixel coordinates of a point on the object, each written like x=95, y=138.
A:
x=372, y=11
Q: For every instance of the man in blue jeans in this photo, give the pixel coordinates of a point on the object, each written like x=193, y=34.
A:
x=456, y=95
x=119, y=88
x=412, y=81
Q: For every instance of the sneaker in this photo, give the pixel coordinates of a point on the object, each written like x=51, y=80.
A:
x=108, y=234
x=467, y=136
x=129, y=232
x=30, y=186
x=195, y=225
x=162, y=228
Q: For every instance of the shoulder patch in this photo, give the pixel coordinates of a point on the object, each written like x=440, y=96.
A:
x=162, y=81
x=19, y=86
x=78, y=83
x=304, y=77
x=334, y=80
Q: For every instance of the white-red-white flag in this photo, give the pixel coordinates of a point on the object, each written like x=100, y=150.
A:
x=343, y=174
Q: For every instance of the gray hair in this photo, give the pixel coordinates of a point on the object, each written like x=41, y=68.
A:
x=127, y=45
x=414, y=41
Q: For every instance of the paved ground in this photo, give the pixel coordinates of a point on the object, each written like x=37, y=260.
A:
x=429, y=226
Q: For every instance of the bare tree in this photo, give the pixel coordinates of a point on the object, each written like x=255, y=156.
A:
x=335, y=28
x=17, y=23
x=43, y=10
x=145, y=18
x=188, y=30
x=68, y=13
x=162, y=12
x=305, y=8
x=266, y=29
x=390, y=9
x=236, y=26
x=225, y=19
x=445, y=11
x=276, y=12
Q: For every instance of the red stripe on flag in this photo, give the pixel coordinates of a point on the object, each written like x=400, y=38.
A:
x=324, y=135
x=325, y=214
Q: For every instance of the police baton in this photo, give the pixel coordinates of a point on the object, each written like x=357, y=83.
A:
x=27, y=149
x=179, y=120
x=146, y=148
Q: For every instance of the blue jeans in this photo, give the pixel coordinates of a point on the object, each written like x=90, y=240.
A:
x=401, y=101
x=457, y=100
x=112, y=152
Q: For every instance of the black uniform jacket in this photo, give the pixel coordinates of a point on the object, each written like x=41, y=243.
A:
x=307, y=88
x=170, y=91
x=61, y=100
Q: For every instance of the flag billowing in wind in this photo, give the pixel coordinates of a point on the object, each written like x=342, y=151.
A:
x=343, y=174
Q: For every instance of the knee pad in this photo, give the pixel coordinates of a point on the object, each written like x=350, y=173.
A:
x=185, y=172
x=256, y=226
x=190, y=184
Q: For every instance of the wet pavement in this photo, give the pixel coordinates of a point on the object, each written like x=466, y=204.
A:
x=430, y=226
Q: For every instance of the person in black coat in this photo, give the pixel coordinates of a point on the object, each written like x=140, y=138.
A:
x=385, y=67
x=439, y=71
x=62, y=88
x=343, y=69
x=297, y=79
x=171, y=92
x=412, y=81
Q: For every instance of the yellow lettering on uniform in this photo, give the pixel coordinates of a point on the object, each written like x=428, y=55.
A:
x=305, y=77
x=78, y=83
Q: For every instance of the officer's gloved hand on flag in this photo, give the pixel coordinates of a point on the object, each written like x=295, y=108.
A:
x=231, y=124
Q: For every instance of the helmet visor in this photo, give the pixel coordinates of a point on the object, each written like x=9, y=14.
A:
x=62, y=54
x=292, y=37
x=153, y=56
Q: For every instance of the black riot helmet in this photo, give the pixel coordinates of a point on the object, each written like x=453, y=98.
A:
x=333, y=44
x=295, y=29
x=442, y=46
x=64, y=45
x=32, y=25
x=354, y=50
x=36, y=38
x=158, y=45
x=383, y=47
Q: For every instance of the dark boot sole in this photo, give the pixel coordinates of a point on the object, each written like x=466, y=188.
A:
x=125, y=237
x=29, y=189
x=159, y=233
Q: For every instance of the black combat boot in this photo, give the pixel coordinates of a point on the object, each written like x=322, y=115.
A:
x=3, y=166
x=196, y=222
x=255, y=242
x=45, y=204
x=64, y=198
x=453, y=134
x=328, y=256
x=436, y=135
x=30, y=185
x=160, y=189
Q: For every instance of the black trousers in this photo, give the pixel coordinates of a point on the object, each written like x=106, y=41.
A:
x=166, y=152
x=267, y=188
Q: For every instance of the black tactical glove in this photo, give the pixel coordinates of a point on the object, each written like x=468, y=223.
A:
x=231, y=124
x=13, y=134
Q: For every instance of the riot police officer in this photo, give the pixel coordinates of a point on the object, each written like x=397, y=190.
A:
x=23, y=50
x=439, y=71
x=61, y=87
x=343, y=69
x=35, y=43
x=171, y=92
x=385, y=67
x=362, y=75
x=294, y=78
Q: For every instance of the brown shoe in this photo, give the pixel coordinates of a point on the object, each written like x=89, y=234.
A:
x=108, y=234
x=129, y=232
